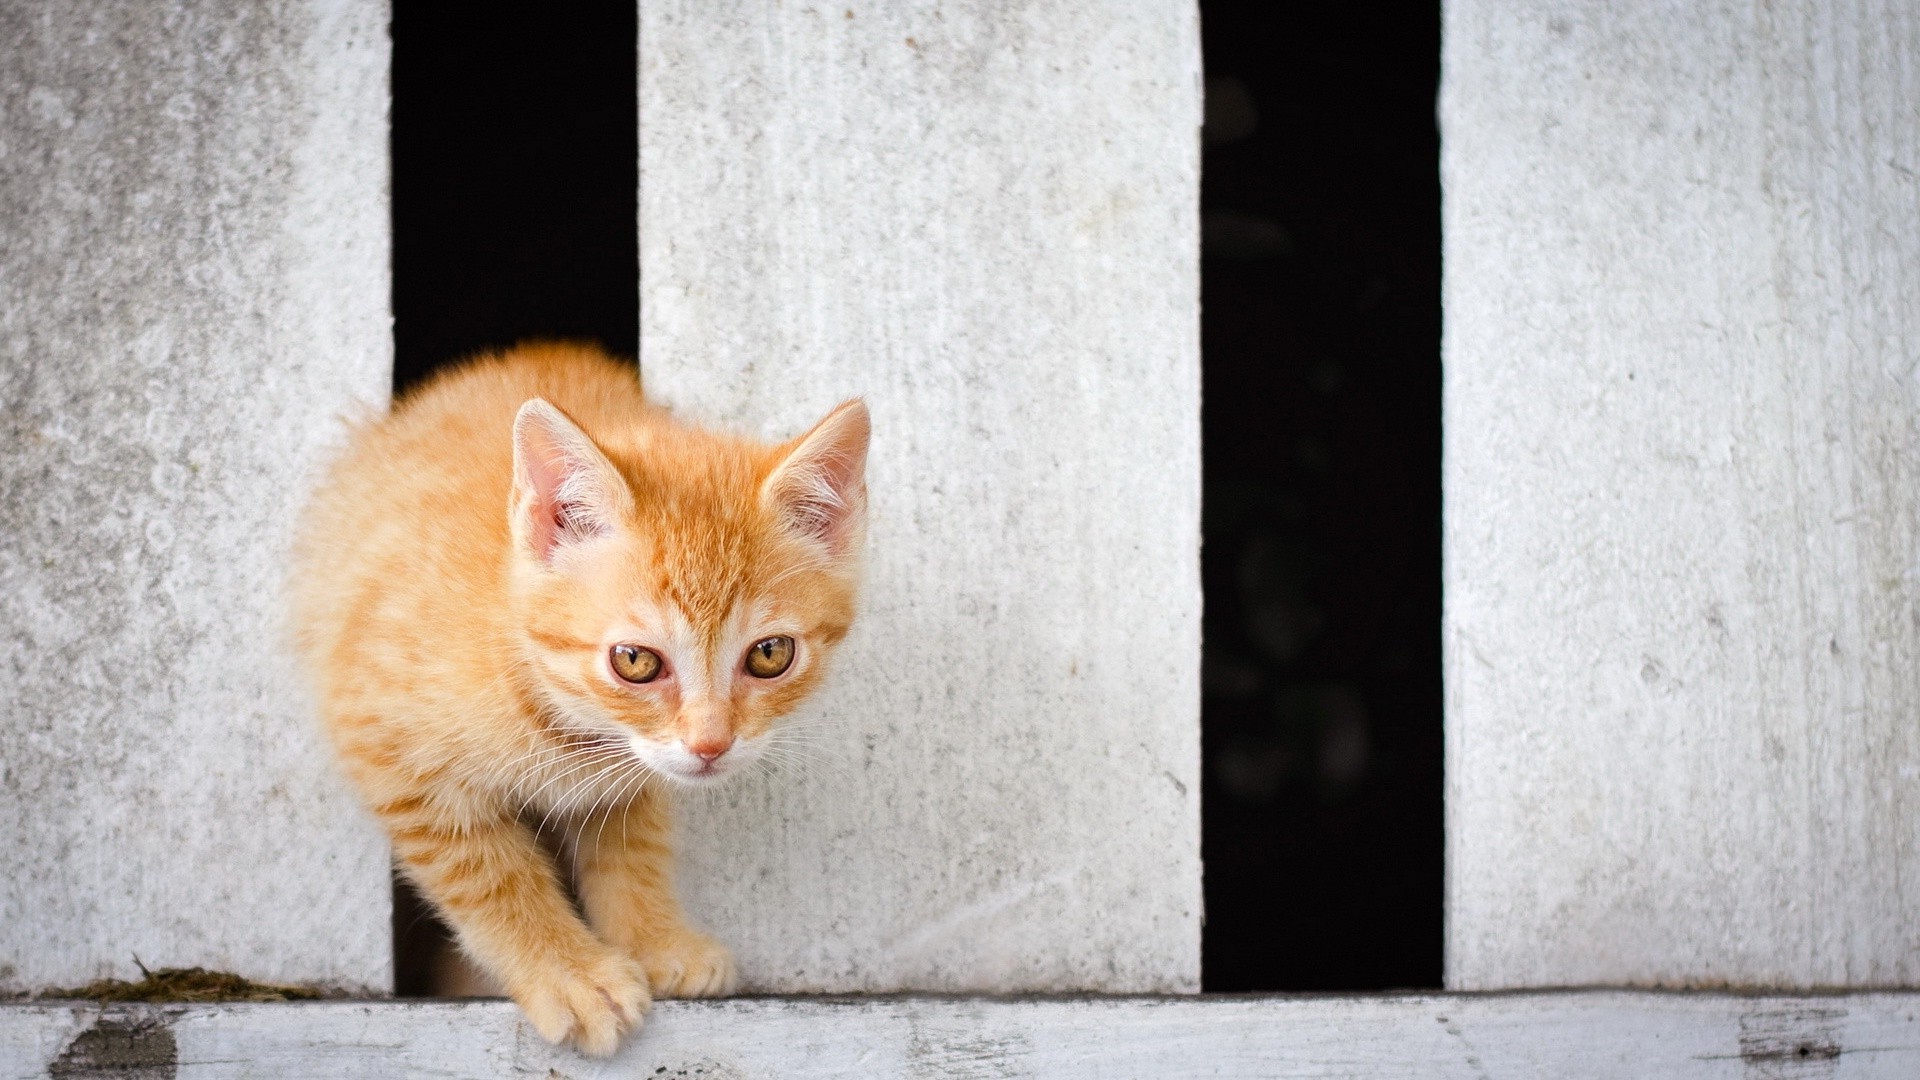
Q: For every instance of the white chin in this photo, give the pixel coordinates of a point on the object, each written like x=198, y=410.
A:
x=699, y=779
x=685, y=769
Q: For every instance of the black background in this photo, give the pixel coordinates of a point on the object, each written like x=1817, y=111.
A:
x=514, y=157
x=1320, y=333
x=515, y=168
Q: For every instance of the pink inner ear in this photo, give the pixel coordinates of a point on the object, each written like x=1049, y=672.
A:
x=554, y=520
x=534, y=500
x=558, y=481
x=821, y=486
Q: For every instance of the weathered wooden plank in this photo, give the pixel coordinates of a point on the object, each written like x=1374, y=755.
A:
x=1631, y=1036
x=193, y=289
x=982, y=217
x=1682, y=470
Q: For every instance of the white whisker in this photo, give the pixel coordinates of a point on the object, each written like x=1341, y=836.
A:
x=637, y=770
x=568, y=798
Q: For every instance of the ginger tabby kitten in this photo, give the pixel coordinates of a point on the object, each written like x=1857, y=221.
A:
x=532, y=603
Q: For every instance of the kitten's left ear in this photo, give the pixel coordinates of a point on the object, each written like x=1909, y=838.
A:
x=821, y=486
x=564, y=489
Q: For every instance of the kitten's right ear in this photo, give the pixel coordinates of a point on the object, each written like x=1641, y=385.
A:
x=564, y=489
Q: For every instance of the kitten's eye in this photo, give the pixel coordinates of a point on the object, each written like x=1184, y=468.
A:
x=769, y=657
x=635, y=663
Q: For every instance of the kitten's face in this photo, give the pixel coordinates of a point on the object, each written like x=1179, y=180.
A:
x=682, y=595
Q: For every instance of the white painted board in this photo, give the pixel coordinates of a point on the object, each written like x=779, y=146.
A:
x=193, y=291
x=1603, y=1036
x=1682, y=569
x=984, y=219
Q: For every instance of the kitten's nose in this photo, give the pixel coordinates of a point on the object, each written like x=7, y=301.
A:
x=708, y=749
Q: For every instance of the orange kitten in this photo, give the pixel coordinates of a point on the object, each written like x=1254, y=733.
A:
x=531, y=603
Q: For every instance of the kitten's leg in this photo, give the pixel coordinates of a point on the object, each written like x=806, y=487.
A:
x=624, y=869
x=500, y=892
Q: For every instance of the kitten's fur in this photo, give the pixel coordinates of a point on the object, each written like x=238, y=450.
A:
x=462, y=577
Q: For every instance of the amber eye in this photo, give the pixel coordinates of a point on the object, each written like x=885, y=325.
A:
x=635, y=663
x=769, y=657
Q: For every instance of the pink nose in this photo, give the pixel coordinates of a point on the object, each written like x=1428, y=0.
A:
x=708, y=750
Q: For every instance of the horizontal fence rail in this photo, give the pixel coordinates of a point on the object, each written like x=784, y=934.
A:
x=1604, y=1035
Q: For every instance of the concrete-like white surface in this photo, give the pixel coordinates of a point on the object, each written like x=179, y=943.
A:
x=982, y=218
x=1682, y=470
x=1629, y=1036
x=193, y=289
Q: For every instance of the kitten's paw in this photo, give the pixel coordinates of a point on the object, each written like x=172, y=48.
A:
x=593, y=1003
x=686, y=964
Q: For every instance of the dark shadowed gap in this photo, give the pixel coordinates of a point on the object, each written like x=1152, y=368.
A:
x=1321, y=343
x=515, y=188
x=515, y=178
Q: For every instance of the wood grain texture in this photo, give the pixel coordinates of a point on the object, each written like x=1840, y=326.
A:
x=193, y=290
x=983, y=217
x=1606, y=1035
x=1682, y=409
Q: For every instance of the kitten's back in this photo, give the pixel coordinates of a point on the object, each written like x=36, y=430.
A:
x=405, y=541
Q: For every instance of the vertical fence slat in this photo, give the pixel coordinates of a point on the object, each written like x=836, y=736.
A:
x=982, y=217
x=1683, y=452
x=193, y=291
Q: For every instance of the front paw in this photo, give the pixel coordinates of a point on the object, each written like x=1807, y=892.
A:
x=593, y=1001
x=686, y=964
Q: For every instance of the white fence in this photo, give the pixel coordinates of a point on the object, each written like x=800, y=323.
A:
x=1682, y=243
